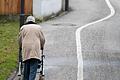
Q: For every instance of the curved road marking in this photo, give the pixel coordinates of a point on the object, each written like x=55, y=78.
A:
x=78, y=40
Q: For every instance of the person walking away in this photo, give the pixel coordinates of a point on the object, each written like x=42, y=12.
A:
x=31, y=40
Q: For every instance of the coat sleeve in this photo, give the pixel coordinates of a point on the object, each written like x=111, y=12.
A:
x=20, y=38
x=42, y=39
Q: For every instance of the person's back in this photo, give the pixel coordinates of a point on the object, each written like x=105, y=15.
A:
x=31, y=40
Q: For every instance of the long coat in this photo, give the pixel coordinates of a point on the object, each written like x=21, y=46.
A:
x=32, y=40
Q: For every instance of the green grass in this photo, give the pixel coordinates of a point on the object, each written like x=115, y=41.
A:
x=8, y=47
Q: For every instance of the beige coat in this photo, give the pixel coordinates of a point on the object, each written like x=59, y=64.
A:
x=31, y=39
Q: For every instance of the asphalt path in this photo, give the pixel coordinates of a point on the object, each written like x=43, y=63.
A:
x=61, y=55
x=101, y=48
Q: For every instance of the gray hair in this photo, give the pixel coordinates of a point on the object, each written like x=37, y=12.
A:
x=30, y=18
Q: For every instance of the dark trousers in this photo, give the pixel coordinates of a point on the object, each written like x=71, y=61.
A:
x=30, y=69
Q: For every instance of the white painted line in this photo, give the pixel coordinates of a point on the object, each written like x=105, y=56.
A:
x=78, y=40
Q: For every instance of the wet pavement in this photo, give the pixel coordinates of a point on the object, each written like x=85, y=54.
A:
x=60, y=50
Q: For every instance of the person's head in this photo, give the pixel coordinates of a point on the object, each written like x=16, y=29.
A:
x=30, y=19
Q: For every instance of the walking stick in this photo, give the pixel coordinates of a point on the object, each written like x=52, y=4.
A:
x=20, y=62
x=42, y=67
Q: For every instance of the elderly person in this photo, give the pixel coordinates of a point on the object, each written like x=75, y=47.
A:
x=31, y=40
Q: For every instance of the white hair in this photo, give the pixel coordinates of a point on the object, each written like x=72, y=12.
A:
x=30, y=18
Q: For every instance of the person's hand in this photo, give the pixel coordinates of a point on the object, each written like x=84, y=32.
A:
x=41, y=48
